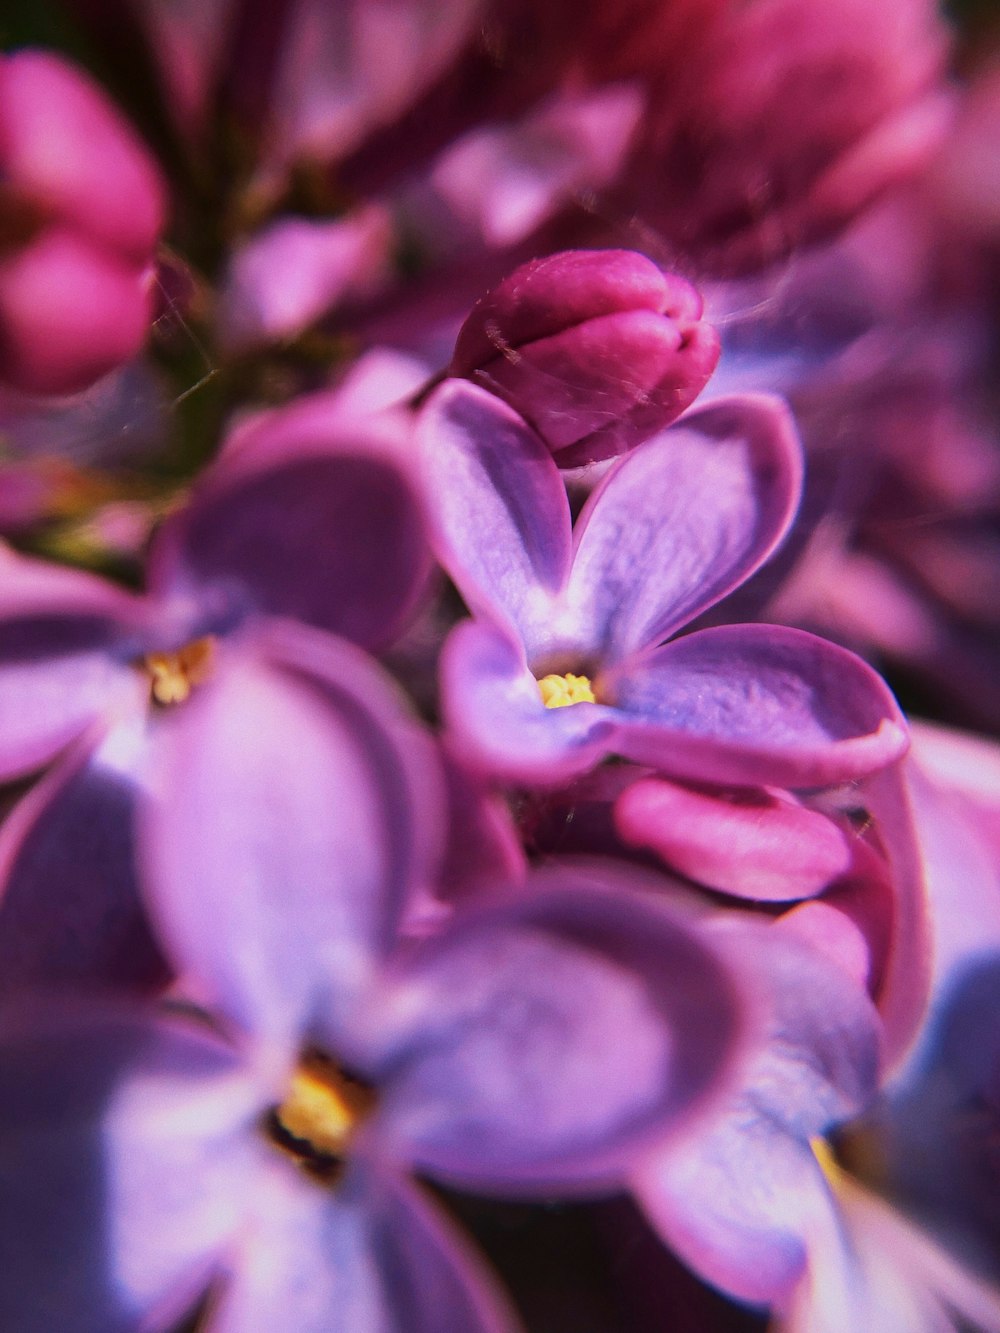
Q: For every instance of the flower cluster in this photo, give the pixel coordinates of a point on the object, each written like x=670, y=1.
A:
x=433, y=834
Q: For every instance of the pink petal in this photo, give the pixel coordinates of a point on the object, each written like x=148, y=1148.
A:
x=759, y=845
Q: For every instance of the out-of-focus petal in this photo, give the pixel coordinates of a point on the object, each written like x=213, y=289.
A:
x=498, y=723
x=281, y=837
x=755, y=704
x=70, y=907
x=297, y=269
x=329, y=531
x=870, y=1268
x=122, y=419
x=498, y=506
x=347, y=69
x=739, y=1199
x=483, y=848
x=121, y=1139
x=374, y=1254
x=66, y=639
x=938, y=1132
x=506, y=180
x=533, y=1045
x=682, y=521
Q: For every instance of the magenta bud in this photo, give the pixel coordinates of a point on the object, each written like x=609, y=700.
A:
x=84, y=206
x=596, y=349
x=69, y=313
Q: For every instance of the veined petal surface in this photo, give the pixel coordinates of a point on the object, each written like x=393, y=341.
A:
x=681, y=521
x=755, y=704
x=498, y=507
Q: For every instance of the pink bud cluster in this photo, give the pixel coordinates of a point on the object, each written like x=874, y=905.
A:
x=83, y=205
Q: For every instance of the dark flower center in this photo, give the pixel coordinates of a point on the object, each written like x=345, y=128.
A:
x=320, y=1116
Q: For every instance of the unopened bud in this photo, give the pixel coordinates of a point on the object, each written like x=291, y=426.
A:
x=596, y=349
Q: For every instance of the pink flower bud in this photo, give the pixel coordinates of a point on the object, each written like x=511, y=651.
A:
x=596, y=349
x=69, y=313
x=84, y=205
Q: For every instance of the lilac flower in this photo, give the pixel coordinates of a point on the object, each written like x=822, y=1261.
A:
x=739, y=1203
x=84, y=207
x=531, y=1047
x=318, y=528
x=758, y=1205
x=596, y=349
x=576, y=619
x=762, y=1203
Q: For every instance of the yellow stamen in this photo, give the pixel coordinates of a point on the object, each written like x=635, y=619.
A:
x=173, y=675
x=323, y=1108
x=828, y=1163
x=560, y=691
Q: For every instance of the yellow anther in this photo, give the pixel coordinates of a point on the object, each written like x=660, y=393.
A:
x=828, y=1163
x=323, y=1107
x=560, y=691
x=174, y=675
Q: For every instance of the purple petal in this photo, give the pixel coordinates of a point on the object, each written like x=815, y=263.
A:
x=70, y=908
x=328, y=531
x=682, y=521
x=342, y=74
x=66, y=639
x=530, y=1046
x=282, y=839
x=740, y=1198
x=498, y=722
x=293, y=271
x=498, y=507
x=483, y=847
x=374, y=1254
x=760, y=845
x=507, y=179
x=122, y=1138
x=918, y=865
x=871, y=1268
x=757, y=705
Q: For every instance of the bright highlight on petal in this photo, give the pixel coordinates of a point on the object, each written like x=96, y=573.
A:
x=174, y=675
x=561, y=691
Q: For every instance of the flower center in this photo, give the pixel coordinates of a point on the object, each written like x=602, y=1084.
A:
x=561, y=691
x=172, y=676
x=828, y=1164
x=320, y=1116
